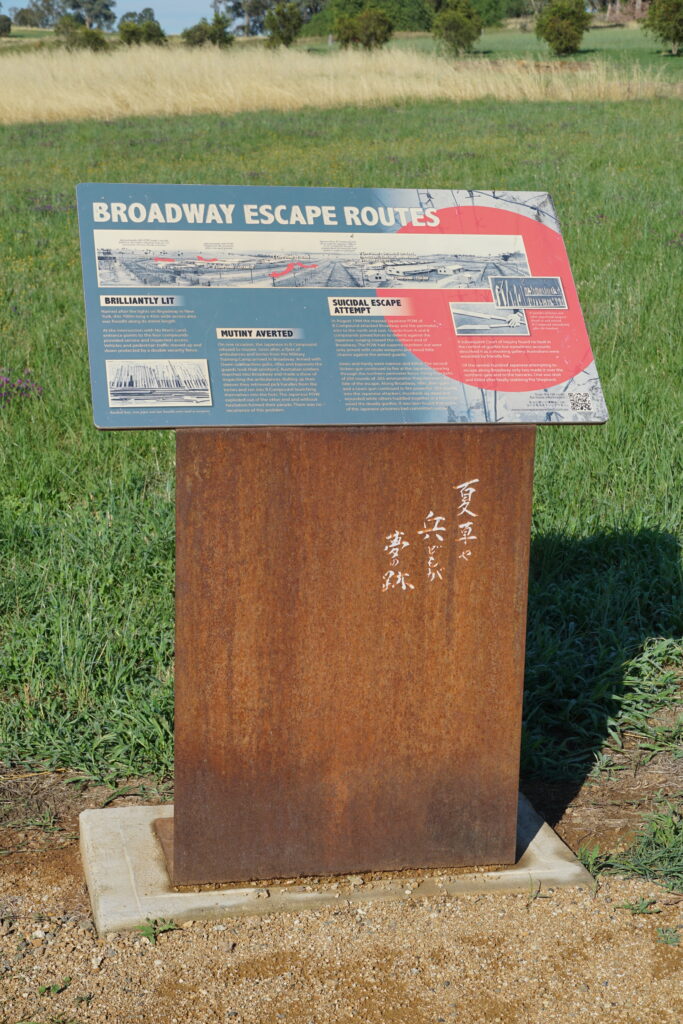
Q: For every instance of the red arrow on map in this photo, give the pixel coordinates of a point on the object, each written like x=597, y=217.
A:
x=292, y=266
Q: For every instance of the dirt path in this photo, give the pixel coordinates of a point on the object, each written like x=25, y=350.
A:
x=557, y=956
x=563, y=956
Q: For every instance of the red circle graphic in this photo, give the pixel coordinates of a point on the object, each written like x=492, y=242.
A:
x=557, y=346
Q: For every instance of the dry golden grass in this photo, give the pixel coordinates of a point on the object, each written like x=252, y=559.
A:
x=57, y=86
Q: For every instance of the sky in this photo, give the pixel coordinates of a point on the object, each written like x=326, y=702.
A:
x=172, y=15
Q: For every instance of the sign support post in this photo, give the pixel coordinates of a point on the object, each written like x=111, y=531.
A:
x=327, y=722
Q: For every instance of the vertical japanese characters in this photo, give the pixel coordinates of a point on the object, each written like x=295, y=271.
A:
x=433, y=531
x=433, y=536
x=464, y=517
x=394, y=577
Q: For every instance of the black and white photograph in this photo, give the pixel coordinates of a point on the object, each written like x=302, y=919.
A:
x=158, y=383
x=528, y=292
x=195, y=259
x=473, y=318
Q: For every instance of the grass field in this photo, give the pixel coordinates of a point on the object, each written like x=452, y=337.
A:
x=86, y=518
x=54, y=85
x=623, y=46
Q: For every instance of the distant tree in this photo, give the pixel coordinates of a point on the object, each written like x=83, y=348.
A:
x=664, y=20
x=135, y=29
x=209, y=33
x=518, y=8
x=371, y=28
x=90, y=39
x=283, y=23
x=374, y=28
x=146, y=14
x=458, y=25
x=75, y=35
x=561, y=24
x=345, y=30
x=95, y=13
x=45, y=13
x=196, y=35
x=251, y=13
x=26, y=17
x=5, y=25
x=149, y=32
x=491, y=12
x=311, y=8
x=66, y=28
x=405, y=15
x=130, y=32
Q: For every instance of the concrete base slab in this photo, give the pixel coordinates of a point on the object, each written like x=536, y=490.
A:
x=129, y=884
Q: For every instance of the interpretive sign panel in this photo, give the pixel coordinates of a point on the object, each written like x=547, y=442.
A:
x=246, y=306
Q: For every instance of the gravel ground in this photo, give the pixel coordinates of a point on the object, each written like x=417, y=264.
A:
x=561, y=956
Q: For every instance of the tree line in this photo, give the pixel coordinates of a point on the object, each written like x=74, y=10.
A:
x=364, y=23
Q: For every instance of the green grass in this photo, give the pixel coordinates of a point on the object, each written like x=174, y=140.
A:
x=86, y=518
x=656, y=853
x=622, y=46
x=24, y=32
x=24, y=40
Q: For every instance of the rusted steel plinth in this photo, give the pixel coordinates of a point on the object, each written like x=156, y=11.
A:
x=351, y=608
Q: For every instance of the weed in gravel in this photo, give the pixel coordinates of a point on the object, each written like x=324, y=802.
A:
x=153, y=929
x=55, y=988
x=592, y=859
x=47, y=821
x=604, y=763
x=641, y=906
x=669, y=936
x=535, y=893
x=120, y=791
x=52, y=1020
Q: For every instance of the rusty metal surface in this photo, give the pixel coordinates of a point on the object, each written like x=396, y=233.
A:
x=328, y=721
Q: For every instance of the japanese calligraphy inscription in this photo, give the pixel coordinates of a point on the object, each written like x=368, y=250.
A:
x=350, y=648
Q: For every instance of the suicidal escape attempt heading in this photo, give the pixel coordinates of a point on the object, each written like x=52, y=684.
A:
x=264, y=214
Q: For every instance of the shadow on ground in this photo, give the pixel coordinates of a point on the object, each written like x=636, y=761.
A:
x=604, y=615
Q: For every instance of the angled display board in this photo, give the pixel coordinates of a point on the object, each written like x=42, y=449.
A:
x=245, y=306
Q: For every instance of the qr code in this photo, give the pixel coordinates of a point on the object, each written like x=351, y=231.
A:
x=580, y=402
